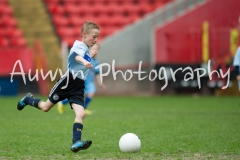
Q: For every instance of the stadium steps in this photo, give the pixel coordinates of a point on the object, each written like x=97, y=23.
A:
x=35, y=23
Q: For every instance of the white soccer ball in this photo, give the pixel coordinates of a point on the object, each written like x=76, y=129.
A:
x=129, y=142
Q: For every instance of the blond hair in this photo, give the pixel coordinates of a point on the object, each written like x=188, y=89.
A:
x=87, y=26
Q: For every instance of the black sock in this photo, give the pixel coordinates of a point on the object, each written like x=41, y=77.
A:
x=77, y=132
x=32, y=101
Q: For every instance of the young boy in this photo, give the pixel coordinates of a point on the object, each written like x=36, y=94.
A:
x=90, y=88
x=71, y=85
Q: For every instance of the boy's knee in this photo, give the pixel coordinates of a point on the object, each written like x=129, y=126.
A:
x=45, y=109
x=45, y=106
x=81, y=115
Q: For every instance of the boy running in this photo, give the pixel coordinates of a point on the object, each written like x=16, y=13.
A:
x=71, y=85
x=90, y=88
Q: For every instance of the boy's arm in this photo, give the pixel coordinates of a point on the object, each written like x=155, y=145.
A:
x=82, y=60
x=99, y=82
x=93, y=53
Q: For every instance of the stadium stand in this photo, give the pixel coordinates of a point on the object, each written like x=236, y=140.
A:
x=111, y=15
x=13, y=47
x=19, y=30
x=37, y=26
x=10, y=34
x=58, y=20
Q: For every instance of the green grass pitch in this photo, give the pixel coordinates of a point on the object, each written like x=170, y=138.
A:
x=170, y=127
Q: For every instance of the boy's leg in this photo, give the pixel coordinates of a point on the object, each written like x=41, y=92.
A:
x=24, y=101
x=35, y=102
x=90, y=90
x=77, y=129
x=65, y=101
x=88, y=99
x=89, y=93
x=60, y=107
x=46, y=106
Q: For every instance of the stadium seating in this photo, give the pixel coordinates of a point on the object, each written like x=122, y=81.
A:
x=4, y=42
x=10, y=35
x=112, y=15
x=3, y=2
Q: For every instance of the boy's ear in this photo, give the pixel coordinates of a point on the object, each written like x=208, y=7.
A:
x=84, y=34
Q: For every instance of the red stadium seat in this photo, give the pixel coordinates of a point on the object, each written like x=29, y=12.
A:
x=10, y=35
x=69, y=40
x=3, y=2
x=110, y=15
x=2, y=32
x=87, y=2
x=129, y=2
x=144, y=9
x=94, y=2
x=13, y=33
x=18, y=42
x=76, y=21
x=120, y=21
x=6, y=10
x=60, y=21
x=121, y=2
x=17, y=33
x=52, y=1
x=103, y=20
x=116, y=21
x=12, y=23
x=55, y=9
x=134, y=17
x=84, y=9
x=107, y=31
x=144, y=1
x=157, y=5
x=73, y=9
x=77, y=31
x=6, y=32
x=71, y=2
x=99, y=9
x=114, y=9
x=4, y=42
x=130, y=9
x=8, y=21
x=65, y=31
x=90, y=17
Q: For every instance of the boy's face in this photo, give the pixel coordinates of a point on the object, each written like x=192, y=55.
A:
x=91, y=37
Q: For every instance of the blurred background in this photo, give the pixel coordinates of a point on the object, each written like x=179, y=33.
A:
x=159, y=33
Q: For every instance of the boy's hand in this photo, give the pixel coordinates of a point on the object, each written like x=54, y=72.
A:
x=93, y=53
x=102, y=86
x=87, y=64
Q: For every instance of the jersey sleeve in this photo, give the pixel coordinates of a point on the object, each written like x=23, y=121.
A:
x=79, y=50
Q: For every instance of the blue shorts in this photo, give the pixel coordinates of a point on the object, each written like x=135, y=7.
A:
x=89, y=88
